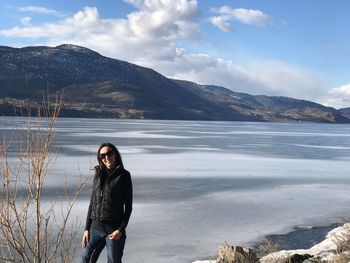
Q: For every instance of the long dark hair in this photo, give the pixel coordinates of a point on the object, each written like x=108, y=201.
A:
x=116, y=152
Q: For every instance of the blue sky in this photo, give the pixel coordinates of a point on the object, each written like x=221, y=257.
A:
x=294, y=48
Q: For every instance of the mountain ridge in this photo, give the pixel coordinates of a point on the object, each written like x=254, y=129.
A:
x=98, y=86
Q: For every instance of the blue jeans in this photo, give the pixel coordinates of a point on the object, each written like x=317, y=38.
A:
x=97, y=241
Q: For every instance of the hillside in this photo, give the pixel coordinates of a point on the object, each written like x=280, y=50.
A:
x=267, y=108
x=98, y=86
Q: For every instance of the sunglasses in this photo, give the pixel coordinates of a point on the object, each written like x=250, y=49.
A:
x=108, y=154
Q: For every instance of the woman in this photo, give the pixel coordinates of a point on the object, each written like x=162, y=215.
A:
x=110, y=207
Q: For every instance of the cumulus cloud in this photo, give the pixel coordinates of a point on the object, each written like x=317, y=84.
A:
x=167, y=19
x=40, y=10
x=222, y=22
x=62, y=29
x=149, y=36
x=285, y=79
x=246, y=16
x=256, y=77
x=338, y=97
x=146, y=34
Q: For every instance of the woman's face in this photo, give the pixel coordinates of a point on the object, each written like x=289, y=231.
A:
x=108, y=157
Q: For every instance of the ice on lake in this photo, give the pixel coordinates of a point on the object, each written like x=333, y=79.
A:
x=200, y=184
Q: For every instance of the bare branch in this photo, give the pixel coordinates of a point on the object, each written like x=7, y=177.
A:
x=30, y=230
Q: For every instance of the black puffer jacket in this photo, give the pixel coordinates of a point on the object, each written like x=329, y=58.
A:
x=111, y=198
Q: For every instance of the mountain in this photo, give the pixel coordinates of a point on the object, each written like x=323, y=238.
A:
x=345, y=112
x=98, y=86
x=268, y=108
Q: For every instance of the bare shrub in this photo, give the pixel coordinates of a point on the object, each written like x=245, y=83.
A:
x=267, y=246
x=341, y=258
x=32, y=230
x=342, y=240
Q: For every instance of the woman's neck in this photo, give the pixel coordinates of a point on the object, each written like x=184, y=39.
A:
x=112, y=170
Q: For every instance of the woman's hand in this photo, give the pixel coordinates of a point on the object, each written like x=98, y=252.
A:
x=85, y=239
x=115, y=234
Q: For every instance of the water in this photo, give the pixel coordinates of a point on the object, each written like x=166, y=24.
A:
x=200, y=184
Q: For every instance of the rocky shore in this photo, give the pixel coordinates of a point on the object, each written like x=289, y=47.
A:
x=333, y=248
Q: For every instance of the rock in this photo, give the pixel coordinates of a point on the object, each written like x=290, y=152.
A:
x=235, y=254
x=297, y=258
x=204, y=261
x=312, y=260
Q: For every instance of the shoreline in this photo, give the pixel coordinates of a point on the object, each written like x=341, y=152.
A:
x=299, y=237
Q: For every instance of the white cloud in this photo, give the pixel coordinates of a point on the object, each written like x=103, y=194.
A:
x=148, y=34
x=246, y=16
x=75, y=25
x=222, y=22
x=258, y=77
x=26, y=21
x=167, y=19
x=252, y=17
x=338, y=97
x=40, y=10
x=285, y=79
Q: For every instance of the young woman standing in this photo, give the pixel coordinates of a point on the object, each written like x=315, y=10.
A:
x=110, y=207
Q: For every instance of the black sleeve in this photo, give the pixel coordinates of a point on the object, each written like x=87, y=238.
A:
x=88, y=217
x=127, y=193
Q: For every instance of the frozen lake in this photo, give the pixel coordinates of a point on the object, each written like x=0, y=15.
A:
x=200, y=184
